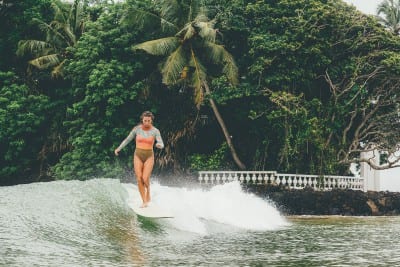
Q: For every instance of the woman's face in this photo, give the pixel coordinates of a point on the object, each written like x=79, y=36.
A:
x=147, y=121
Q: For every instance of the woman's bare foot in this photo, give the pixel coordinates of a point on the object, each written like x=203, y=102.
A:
x=144, y=205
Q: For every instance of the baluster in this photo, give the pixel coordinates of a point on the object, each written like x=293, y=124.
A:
x=271, y=179
x=284, y=180
x=241, y=178
x=218, y=177
x=206, y=178
x=329, y=183
x=291, y=181
x=308, y=182
x=224, y=178
x=278, y=180
x=301, y=181
x=229, y=178
x=267, y=179
x=259, y=178
x=248, y=178
x=295, y=181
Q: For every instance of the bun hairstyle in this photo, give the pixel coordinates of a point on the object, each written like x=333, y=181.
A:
x=147, y=114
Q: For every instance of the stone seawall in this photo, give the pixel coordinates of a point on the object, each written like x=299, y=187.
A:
x=334, y=202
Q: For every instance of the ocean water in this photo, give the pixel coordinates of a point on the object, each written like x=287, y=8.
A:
x=90, y=223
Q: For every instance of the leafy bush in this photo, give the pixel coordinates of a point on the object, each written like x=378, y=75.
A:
x=22, y=116
x=215, y=161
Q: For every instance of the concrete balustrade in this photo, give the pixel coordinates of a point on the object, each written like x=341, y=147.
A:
x=292, y=181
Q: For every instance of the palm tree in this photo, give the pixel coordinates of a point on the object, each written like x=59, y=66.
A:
x=188, y=51
x=63, y=32
x=391, y=11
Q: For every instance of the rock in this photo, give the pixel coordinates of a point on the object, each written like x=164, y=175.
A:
x=374, y=208
x=334, y=202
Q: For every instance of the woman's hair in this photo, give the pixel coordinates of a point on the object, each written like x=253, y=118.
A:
x=147, y=114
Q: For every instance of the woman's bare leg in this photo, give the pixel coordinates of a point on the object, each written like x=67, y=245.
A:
x=147, y=169
x=138, y=166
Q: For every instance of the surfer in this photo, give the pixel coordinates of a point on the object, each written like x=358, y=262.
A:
x=145, y=135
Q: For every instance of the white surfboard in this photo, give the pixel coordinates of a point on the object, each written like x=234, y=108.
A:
x=151, y=211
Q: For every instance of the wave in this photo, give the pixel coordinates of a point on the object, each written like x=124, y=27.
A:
x=226, y=204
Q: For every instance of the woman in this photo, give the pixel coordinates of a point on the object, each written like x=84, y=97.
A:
x=143, y=158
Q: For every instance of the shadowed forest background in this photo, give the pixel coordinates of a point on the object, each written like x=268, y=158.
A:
x=300, y=86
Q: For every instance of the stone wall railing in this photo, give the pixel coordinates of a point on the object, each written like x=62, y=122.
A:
x=292, y=181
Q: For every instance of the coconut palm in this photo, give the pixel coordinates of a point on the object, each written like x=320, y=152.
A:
x=391, y=11
x=190, y=48
x=61, y=33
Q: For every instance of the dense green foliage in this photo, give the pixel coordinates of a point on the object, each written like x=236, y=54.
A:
x=22, y=118
x=16, y=20
x=105, y=83
x=317, y=84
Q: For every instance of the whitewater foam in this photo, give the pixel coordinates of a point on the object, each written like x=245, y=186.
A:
x=225, y=204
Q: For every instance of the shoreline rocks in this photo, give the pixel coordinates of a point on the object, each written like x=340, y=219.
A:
x=334, y=202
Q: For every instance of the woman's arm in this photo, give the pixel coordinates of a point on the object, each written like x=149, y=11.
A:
x=159, y=141
x=126, y=141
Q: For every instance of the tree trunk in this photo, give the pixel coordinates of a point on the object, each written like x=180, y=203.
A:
x=221, y=122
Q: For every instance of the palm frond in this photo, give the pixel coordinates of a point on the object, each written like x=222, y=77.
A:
x=45, y=62
x=196, y=9
x=33, y=47
x=71, y=35
x=141, y=19
x=201, y=17
x=76, y=16
x=391, y=11
x=61, y=10
x=199, y=75
x=207, y=31
x=170, y=9
x=58, y=70
x=159, y=47
x=187, y=32
x=230, y=69
x=53, y=31
x=219, y=55
x=173, y=66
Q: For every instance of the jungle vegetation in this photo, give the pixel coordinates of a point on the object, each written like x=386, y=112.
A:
x=300, y=86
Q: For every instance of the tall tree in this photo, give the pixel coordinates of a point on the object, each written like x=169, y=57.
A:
x=16, y=23
x=390, y=9
x=62, y=32
x=190, y=52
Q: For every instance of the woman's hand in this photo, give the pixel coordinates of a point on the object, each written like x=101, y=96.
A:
x=116, y=152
